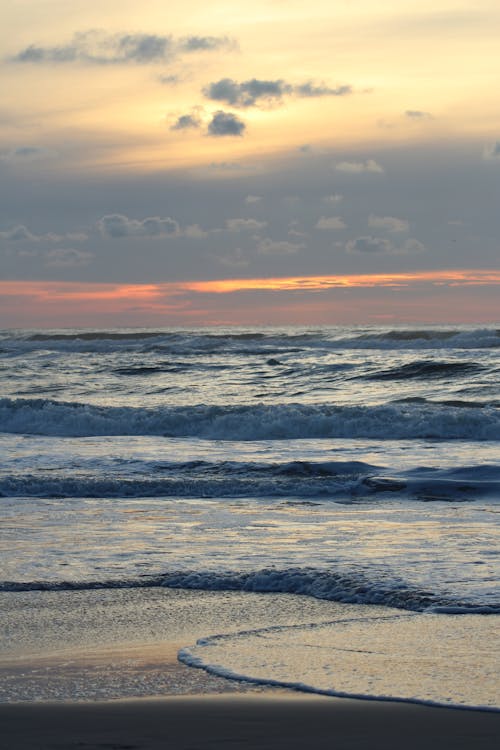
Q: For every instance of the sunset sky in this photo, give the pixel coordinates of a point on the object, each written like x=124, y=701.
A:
x=189, y=163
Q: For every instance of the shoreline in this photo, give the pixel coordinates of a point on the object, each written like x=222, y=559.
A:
x=264, y=721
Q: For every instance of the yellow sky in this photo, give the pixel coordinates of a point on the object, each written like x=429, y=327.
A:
x=439, y=58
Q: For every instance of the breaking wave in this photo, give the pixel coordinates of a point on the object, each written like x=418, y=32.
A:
x=394, y=421
x=318, y=583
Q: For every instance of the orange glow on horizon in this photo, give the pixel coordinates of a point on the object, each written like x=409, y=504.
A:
x=71, y=290
x=311, y=283
x=296, y=299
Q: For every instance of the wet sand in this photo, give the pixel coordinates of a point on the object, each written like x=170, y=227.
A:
x=244, y=721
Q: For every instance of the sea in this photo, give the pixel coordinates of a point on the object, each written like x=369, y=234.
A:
x=354, y=468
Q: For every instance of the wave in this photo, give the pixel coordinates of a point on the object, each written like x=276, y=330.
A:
x=426, y=369
x=482, y=338
x=219, y=340
x=342, y=481
x=395, y=421
x=315, y=582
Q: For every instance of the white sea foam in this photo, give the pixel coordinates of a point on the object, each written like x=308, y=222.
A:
x=427, y=659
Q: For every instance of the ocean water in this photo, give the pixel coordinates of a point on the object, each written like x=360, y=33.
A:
x=350, y=465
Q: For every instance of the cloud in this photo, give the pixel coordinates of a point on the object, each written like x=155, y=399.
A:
x=253, y=199
x=245, y=225
x=225, y=123
x=330, y=222
x=235, y=259
x=358, y=167
x=294, y=229
x=97, y=47
x=278, y=247
x=247, y=93
x=492, y=152
x=169, y=80
x=206, y=43
x=194, y=231
x=117, y=226
x=226, y=166
x=25, y=154
x=186, y=122
x=21, y=233
x=381, y=245
x=388, y=222
x=335, y=198
x=255, y=91
x=418, y=114
x=309, y=89
x=67, y=258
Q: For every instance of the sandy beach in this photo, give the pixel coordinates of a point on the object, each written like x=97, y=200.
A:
x=87, y=673
x=244, y=721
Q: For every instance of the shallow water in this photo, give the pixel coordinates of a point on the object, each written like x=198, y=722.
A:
x=356, y=465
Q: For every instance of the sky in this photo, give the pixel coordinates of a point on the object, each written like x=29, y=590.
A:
x=266, y=162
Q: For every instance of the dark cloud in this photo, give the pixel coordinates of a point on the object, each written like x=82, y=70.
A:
x=186, y=122
x=225, y=123
x=204, y=43
x=309, y=89
x=96, y=47
x=370, y=245
x=117, y=226
x=254, y=91
x=246, y=94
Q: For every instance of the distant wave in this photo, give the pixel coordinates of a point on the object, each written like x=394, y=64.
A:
x=215, y=341
x=426, y=369
x=318, y=583
x=430, y=338
x=257, y=422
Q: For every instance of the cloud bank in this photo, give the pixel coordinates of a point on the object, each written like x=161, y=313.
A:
x=97, y=47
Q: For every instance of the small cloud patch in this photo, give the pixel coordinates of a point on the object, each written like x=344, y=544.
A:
x=359, y=167
x=390, y=223
x=381, y=245
x=186, y=122
x=330, y=222
x=117, y=226
x=67, y=258
x=278, y=247
x=418, y=114
x=245, y=225
x=225, y=123
x=492, y=152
